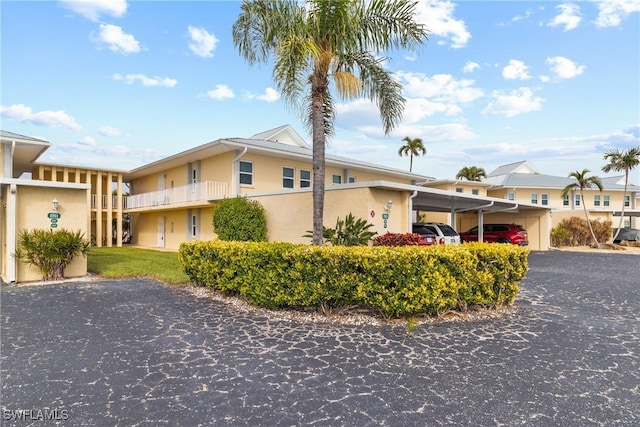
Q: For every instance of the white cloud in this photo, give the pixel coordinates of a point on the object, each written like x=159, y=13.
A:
x=564, y=68
x=22, y=113
x=117, y=40
x=92, y=9
x=569, y=17
x=146, y=81
x=516, y=70
x=269, y=95
x=470, y=67
x=511, y=104
x=220, y=92
x=202, y=42
x=439, y=87
x=110, y=131
x=612, y=12
x=437, y=16
x=87, y=140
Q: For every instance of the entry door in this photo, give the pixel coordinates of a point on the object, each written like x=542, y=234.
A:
x=161, y=232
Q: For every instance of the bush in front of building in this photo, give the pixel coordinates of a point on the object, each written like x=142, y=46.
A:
x=574, y=231
x=350, y=231
x=50, y=251
x=240, y=219
x=394, y=281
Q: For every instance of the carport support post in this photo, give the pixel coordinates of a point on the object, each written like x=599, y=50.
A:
x=480, y=225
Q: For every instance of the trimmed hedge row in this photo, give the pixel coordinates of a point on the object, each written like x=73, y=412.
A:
x=398, y=281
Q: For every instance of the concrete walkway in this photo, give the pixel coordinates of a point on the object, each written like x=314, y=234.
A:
x=138, y=353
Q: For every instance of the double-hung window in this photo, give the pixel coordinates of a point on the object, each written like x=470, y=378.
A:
x=288, y=177
x=511, y=195
x=576, y=200
x=534, y=198
x=565, y=200
x=246, y=173
x=596, y=200
x=606, y=200
x=305, y=178
x=336, y=179
x=627, y=201
x=544, y=199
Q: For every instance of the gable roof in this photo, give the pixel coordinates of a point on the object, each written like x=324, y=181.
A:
x=286, y=145
x=25, y=152
x=518, y=167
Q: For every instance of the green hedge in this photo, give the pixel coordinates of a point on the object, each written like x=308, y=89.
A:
x=398, y=281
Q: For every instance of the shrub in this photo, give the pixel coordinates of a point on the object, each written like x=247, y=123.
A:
x=560, y=237
x=395, y=281
x=397, y=239
x=240, y=219
x=348, y=232
x=578, y=232
x=50, y=251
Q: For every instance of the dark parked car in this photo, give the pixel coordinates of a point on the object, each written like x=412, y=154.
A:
x=498, y=233
x=628, y=234
x=427, y=237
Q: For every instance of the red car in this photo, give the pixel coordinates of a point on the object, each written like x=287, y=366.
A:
x=498, y=233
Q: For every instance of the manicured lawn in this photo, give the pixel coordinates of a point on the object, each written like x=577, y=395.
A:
x=117, y=263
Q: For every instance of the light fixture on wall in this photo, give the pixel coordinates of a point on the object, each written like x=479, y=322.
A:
x=54, y=204
x=388, y=206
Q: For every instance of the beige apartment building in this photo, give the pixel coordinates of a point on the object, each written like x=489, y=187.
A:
x=170, y=201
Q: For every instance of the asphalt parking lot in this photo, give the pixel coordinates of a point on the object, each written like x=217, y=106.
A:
x=138, y=353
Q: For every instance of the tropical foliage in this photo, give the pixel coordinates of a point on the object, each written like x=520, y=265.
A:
x=583, y=182
x=240, y=219
x=576, y=231
x=51, y=251
x=622, y=161
x=321, y=46
x=471, y=173
x=348, y=232
x=413, y=147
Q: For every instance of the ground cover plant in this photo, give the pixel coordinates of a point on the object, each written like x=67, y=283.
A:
x=118, y=263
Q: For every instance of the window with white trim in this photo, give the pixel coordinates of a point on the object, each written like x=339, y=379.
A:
x=194, y=176
x=194, y=226
x=305, y=178
x=565, y=200
x=606, y=200
x=544, y=199
x=511, y=195
x=336, y=179
x=576, y=200
x=288, y=177
x=246, y=173
x=627, y=201
x=534, y=198
x=596, y=200
x=352, y=179
x=475, y=191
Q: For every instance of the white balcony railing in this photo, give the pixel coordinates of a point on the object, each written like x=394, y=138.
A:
x=199, y=192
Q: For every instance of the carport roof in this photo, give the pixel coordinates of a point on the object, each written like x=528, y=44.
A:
x=434, y=200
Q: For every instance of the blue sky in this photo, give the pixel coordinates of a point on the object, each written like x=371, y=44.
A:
x=112, y=83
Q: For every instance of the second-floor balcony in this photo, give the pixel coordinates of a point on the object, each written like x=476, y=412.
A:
x=192, y=193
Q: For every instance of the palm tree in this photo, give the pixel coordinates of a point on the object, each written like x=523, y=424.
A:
x=583, y=182
x=622, y=161
x=323, y=46
x=413, y=147
x=471, y=173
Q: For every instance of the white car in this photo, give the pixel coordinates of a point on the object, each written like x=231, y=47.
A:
x=446, y=235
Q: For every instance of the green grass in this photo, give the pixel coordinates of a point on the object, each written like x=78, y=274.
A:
x=118, y=263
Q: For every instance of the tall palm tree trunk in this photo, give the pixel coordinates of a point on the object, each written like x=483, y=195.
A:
x=318, y=90
x=624, y=195
x=586, y=214
x=411, y=162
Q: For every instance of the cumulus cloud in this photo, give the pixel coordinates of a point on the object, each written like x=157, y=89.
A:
x=519, y=101
x=93, y=9
x=438, y=17
x=87, y=140
x=564, y=68
x=269, y=95
x=110, y=131
x=220, y=92
x=516, y=70
x=22, y=113
x=569, y=17
x=202, y=42
x=439, y=87
x=145, y=81
x=470, y=67
x=613, y=12
x=117, y=40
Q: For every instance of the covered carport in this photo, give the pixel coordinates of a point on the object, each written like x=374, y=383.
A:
x=466, y=210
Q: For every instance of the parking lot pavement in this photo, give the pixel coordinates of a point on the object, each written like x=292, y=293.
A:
x=137, y=352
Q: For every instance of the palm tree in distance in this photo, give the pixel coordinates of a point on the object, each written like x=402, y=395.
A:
x=321, y=45
x=622, y=161
x=583, y=181
x=471, y=173
x=413, y=147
